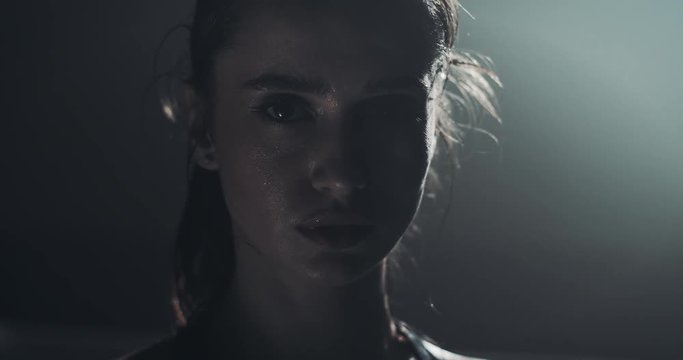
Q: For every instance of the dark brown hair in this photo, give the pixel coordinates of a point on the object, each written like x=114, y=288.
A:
x=204, y=250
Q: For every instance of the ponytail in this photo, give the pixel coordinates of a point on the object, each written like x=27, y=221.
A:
x=204, y=254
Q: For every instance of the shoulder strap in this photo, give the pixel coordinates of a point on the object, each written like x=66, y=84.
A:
x=425, y=349
x=416, y=342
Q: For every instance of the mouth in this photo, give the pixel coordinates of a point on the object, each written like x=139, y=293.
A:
x=338, y=236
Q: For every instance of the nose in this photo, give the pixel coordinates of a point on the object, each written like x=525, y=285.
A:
x=338, y=167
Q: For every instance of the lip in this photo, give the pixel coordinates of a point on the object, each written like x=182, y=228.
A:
x=338, y=237
x=336, y=230
x=333, y=219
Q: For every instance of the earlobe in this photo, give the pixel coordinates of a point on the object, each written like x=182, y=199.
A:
x=204, y=155
x=204, y=151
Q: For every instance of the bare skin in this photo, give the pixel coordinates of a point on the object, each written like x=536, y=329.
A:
x=314, y=112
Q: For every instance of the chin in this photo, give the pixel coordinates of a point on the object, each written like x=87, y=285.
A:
x=338, y=270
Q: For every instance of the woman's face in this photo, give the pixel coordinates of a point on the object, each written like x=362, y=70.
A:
x=324, y=111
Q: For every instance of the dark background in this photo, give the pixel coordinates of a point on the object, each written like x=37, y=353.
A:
x=571, y=243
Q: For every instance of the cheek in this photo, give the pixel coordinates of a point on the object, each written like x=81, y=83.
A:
x=258, y=171
x=400, y=153
x=253, y=174
x=249, y=188
x=400, y=160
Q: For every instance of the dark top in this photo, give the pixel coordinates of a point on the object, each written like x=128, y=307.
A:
x=184, y=346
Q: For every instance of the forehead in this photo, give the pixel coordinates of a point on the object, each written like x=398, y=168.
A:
x=341, y=41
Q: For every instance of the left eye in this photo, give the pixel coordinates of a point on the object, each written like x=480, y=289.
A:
x=285, y=109
x=391, y=108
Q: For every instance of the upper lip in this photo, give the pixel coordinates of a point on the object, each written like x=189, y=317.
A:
x=329, y=218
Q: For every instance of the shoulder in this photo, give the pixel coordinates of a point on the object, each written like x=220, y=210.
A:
x=426, y=348
x=171, y=348
x=441, y=354
x=161, y=350
x=186, y=342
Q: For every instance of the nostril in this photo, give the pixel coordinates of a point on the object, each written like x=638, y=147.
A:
x=337, y=183
x=343, y=187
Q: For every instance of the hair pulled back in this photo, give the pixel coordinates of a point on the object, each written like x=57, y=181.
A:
x=204, y=255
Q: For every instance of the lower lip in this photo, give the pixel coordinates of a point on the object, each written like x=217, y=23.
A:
x=338, y=240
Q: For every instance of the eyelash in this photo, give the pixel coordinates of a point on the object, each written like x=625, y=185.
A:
x=299, y=106
x=304, y=112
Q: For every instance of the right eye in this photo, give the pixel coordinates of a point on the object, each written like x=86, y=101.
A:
x=284, y=109
x=393, y=108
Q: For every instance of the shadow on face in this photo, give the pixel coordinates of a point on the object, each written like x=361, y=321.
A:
x=322, y=106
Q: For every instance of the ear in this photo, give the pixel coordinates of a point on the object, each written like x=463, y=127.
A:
x=202, y=144
x=204, y=154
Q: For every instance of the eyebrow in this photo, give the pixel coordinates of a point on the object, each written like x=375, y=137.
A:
x=288, y=82
x=303, y=84
x=397, y=84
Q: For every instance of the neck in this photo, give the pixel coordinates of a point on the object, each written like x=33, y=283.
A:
x=268, y=315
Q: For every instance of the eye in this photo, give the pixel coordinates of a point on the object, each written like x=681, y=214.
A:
x=284, y=109
x=392, y=108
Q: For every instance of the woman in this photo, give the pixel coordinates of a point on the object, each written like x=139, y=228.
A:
x=313, y=124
